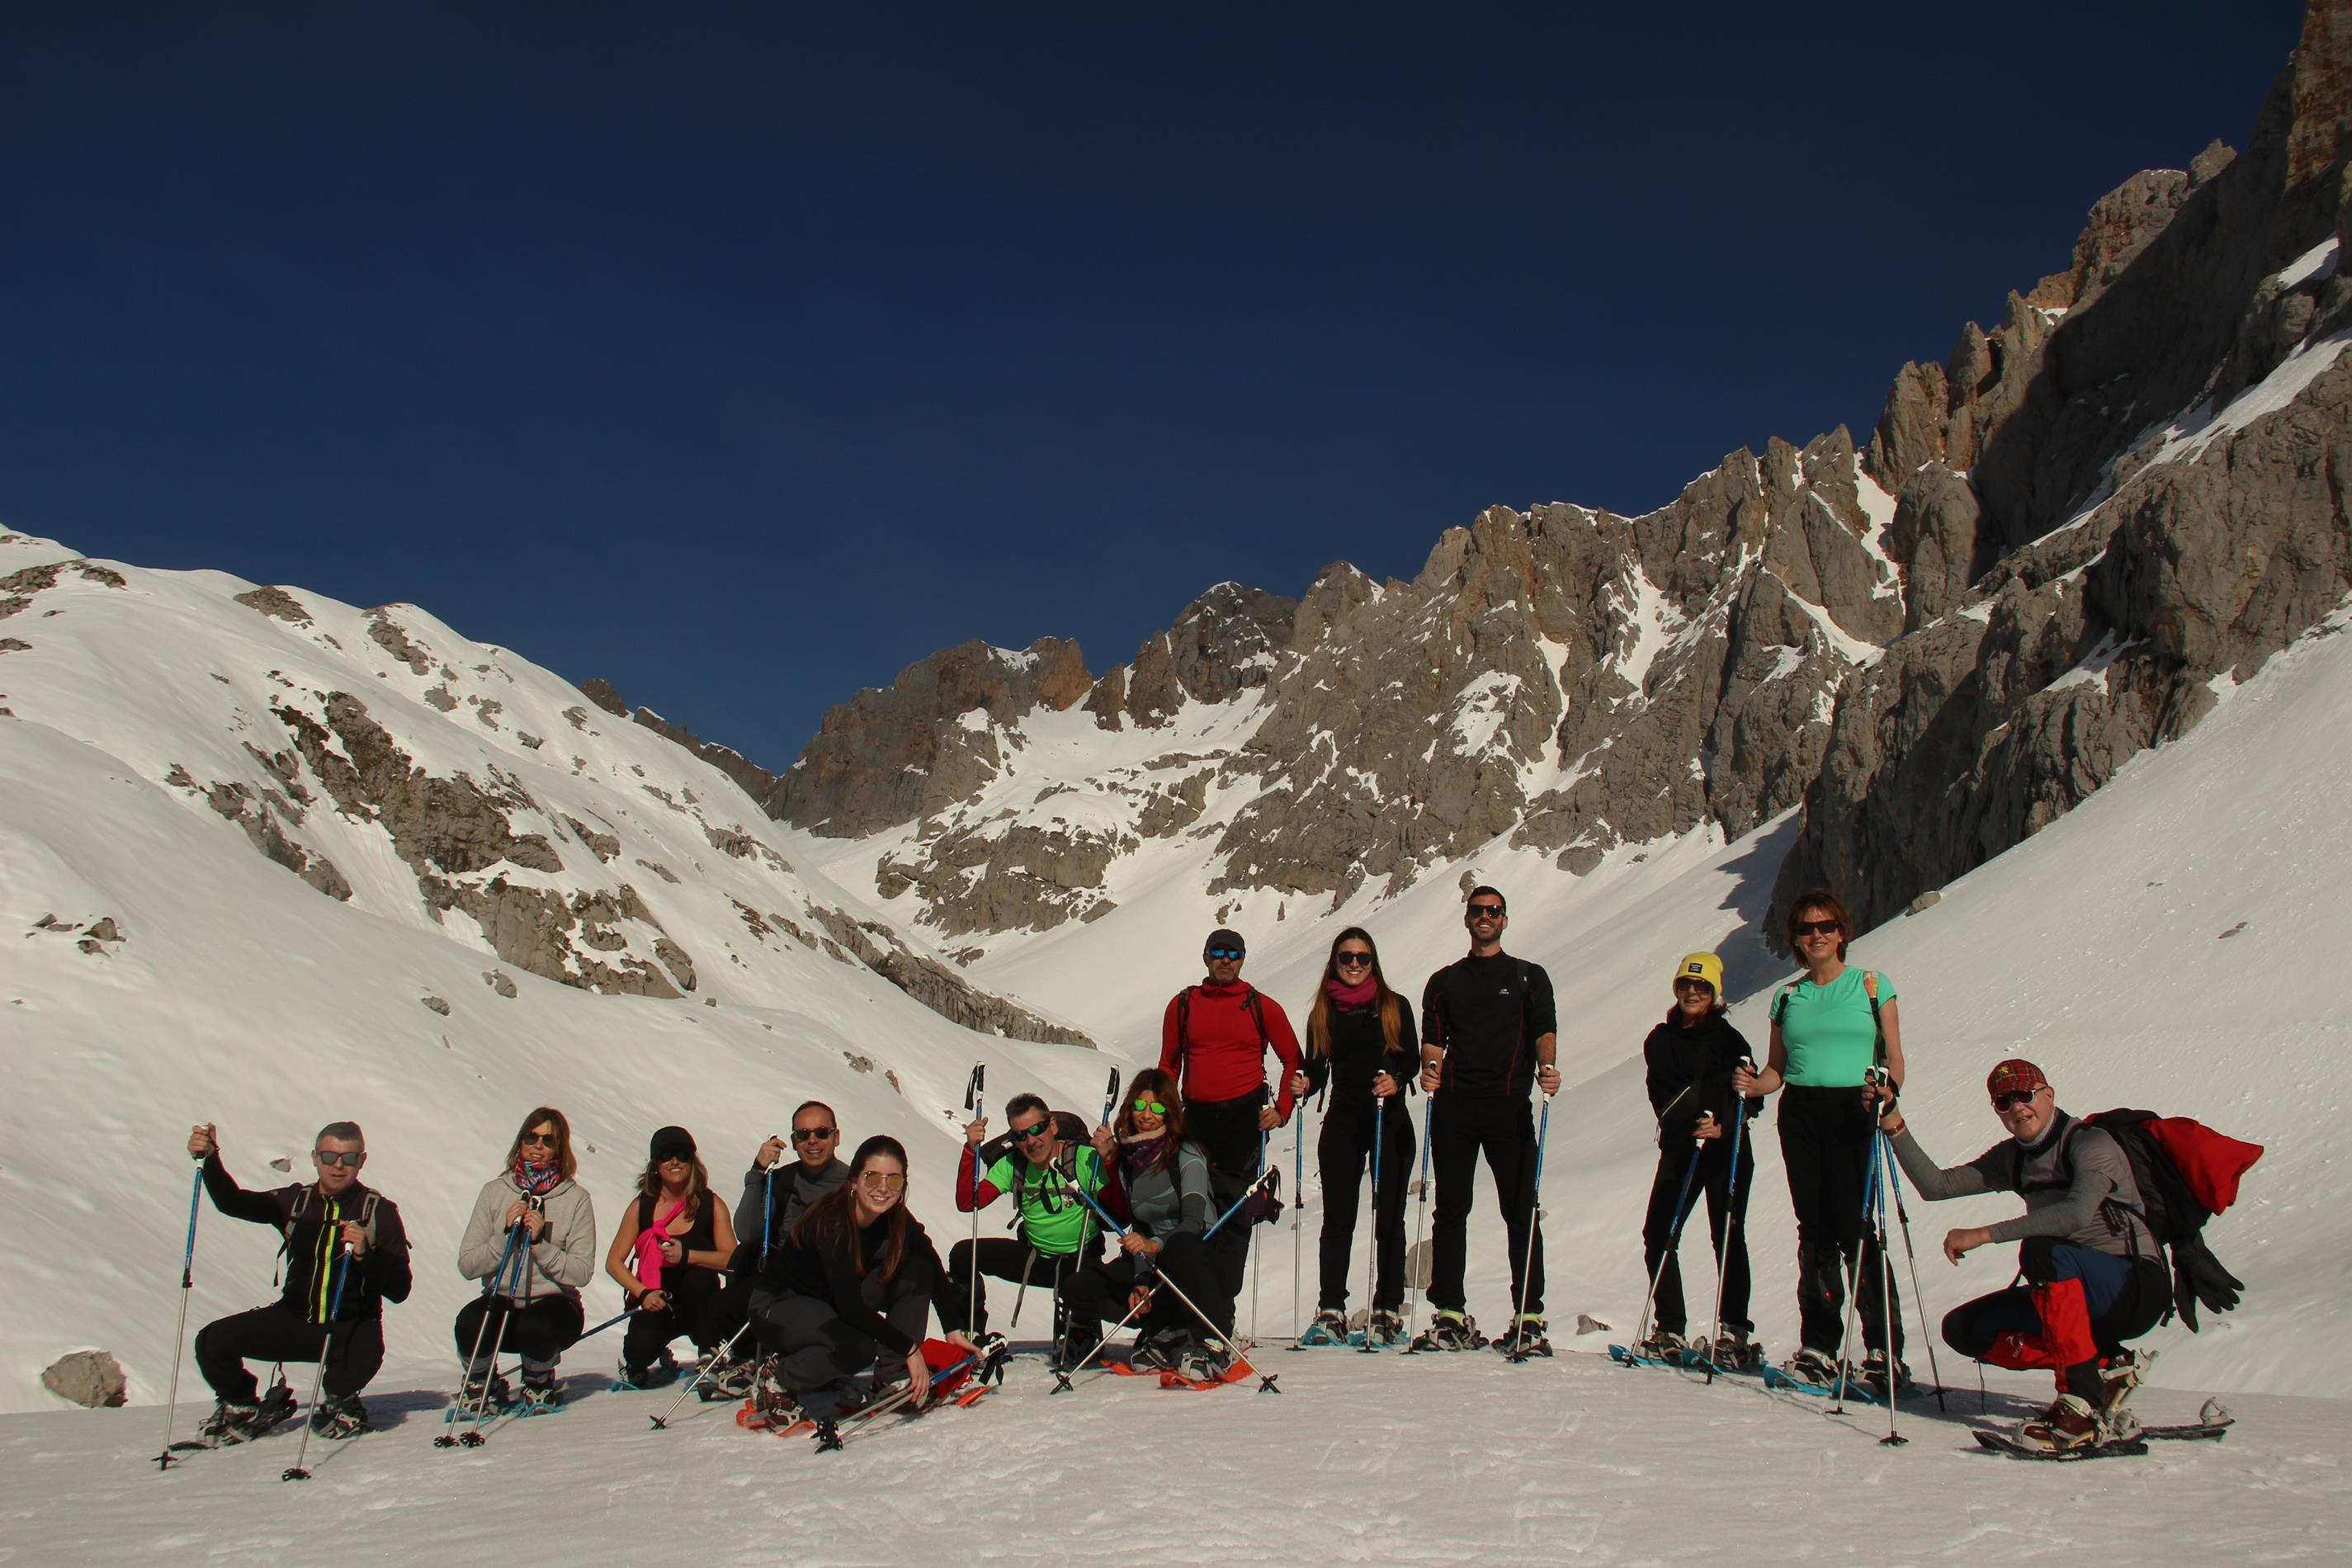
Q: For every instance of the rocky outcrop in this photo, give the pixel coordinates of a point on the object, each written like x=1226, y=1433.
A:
x=1223, y=645
x=931, y=738
x=762, y=786
x=92, y=1379
x=2157, y=461
x=938, y=987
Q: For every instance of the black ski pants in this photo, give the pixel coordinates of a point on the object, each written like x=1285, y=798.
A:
x=1713, y=1177
x=1827, y=1138
x=814, y=1349
x=1504, y=1131
x=1011, y=1258
x=689, y=1292
x=1098, y=1294
x=277, y=1332
x=1228, y=1133
x=1343, y=1153
x=540, y=1332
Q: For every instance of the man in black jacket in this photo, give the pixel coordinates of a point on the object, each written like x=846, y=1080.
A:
x=1488, y=1029
x=346, y=1255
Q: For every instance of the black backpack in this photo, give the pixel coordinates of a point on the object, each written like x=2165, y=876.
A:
x=2174, y=1213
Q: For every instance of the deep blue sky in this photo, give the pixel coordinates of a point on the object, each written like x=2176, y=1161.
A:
x=744, y=354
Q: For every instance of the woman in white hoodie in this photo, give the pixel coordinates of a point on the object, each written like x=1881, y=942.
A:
x=532, y=1307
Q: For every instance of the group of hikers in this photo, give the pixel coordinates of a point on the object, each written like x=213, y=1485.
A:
x=814, y=1295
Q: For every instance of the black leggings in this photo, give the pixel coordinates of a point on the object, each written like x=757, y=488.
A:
x=1098, y=1294
x=1713, y=1177
x=688, y=1290
x=1343, y=1153
x=276, y=1332
x=1228, y=1133
x=540, y=1332
x=1827, y=1137
x=1504, y=1131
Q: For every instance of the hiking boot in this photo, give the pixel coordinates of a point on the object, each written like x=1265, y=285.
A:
x=541, y=1396
x=486, y=1395
x=1525, y=1338
x=1874, y=1368
x=724, y=1377
x=2068, y=1425
x=1810, y=1365
x=1158, y=1349
x=1076, y=1351
x=230, y=1424
x=340, y=1415
x=1329, y=1328
x=1734, y=1350
x=1385, y=1328
x=651, y=1375
x=1206, y=1362
x=1450, y=1330
x=1664, y=1344
x=772, y=1404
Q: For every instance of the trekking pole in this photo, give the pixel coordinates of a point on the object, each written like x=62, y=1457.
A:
x=1265, y=1384
x=973, y=1102
x=1535, y=1223
x=492, y=1284
x=1730, y=1222
x=1674, y=1238
x=294, y=1472
x=1918, y=1302
x=1890, y=1326
x=1853, y=1291
x=1062, y=1379
x=1298, y=1209
x=1257, y=1240
x=1110, y=1100
x=180, y=1340
x=1420, y=1209
x=768, y=1211
x=1380, y=1113
x=661, y=1422
x=607, y=1323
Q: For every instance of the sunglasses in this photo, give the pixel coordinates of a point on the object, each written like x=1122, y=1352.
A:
x=1354, y=961
x=1817, y=927
x=1486, y=911
x=337, y=1157
x=888, y=1181
x=2016, y=1097
x=1151, y=1108
x=545, y=1140
x=675, y=1159
x=1224, y=952
x=1024, y=1135
x=812, y=1134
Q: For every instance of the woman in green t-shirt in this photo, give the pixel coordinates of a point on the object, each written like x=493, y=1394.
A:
x=1830, y=1027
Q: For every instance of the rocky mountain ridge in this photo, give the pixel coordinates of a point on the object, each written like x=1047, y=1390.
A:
x=2051, y=546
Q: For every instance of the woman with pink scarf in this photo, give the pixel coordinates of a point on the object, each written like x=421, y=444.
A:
x=1360, y=1042
x=536, y=1221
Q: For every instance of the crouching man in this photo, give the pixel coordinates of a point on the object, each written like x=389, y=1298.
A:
x=2094, y=1275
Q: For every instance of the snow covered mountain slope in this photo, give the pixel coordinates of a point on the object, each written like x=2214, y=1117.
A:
x=453, y=852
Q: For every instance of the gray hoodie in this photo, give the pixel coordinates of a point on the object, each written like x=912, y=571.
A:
x=563, y=1259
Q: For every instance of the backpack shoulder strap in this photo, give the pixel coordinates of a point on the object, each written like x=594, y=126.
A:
x=1255, y=1001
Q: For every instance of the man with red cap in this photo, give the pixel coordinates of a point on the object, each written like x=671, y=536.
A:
x=2094, y=1275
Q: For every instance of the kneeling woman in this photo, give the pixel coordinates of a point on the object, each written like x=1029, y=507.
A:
x=852, y=1287
x=1163, y=1180
x=669, y=1256
x=535, y=1230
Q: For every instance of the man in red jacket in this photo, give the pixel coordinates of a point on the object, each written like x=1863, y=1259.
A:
x=1214, y=1036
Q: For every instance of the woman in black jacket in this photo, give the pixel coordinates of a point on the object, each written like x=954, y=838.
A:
x=852, y=1287
x=1691, y=1058
x=1360, y=1041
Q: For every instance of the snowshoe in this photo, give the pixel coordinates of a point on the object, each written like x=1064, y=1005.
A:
x=1381, y=1330
x=1158, y=1349
x=1874, y=1369
x=2071, y=1423
x=1329, y=1328
x=1662, y=1346
x=539, y=1398
x=1526, y=1338
x=340, y=1415
x=230, y=1425
x=480, y=1400
x=1209, y=1364
x=1449, y=1331
x=1812, y=1366
x=2121, y=1374
x=1732, y=1350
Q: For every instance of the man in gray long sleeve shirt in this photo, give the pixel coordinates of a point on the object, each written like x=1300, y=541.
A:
x=2093, y=1274
x=774, y=1194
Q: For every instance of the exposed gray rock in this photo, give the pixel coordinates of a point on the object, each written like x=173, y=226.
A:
x=394, y=640
x=499, y=981
x=437, y=1004
x=938, y=987
x=278, y=604
x=92, y=1379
